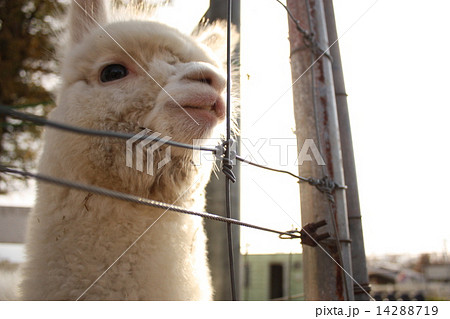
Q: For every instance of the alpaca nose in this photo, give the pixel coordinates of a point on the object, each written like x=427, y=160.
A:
x=205, y=73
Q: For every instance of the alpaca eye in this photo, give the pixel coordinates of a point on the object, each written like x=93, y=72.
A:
x=113, y=72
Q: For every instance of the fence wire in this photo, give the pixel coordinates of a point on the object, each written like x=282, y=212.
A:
x=137, y=200
x=219, y=149
x=324, y=185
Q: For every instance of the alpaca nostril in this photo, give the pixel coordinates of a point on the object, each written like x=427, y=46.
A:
x=206, y=81
x=200, y=77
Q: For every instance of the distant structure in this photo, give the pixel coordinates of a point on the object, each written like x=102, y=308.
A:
x=429, y=280
x=272, y=277
x=437, y=272
x=13, y=224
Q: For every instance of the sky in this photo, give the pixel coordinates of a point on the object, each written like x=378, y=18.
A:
x=398, y=86
x=397, y=80
x=396, y=75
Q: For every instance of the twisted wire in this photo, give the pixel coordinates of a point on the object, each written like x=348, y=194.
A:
x=227, y=162
x=308, y=37
x=86, y=131
x=136, y=199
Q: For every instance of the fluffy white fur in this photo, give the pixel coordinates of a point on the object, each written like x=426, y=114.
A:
x=74, y=236
x=8, y=284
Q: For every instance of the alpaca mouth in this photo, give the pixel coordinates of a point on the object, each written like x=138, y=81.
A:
x=208, y=108
x=213, y=108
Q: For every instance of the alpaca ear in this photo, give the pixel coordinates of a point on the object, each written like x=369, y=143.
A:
x=214, y=36
x=85, y=16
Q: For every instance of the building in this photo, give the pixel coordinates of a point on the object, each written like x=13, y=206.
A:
x=272, y=277
x=437, y=272
x=13, y=222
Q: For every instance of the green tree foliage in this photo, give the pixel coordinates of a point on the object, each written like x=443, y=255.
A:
x=26, y=64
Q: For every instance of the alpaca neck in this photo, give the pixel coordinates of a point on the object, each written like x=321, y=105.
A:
x=147, y=253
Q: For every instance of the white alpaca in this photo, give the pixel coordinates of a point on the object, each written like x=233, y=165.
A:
x=166, y=82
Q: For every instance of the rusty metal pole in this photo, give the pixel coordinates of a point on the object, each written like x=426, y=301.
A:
x=316, y=118
x=352, y=196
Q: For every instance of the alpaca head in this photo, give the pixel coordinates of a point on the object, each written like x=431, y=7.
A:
x=126, y=75
x=141, y=71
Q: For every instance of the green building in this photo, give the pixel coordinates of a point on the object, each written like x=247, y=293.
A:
x=272, y=277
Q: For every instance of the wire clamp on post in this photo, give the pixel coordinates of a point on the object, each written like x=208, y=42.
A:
x=326, y=186
x=309, y=236
x=362, y=288
x=290, y=234
x=229, y=148
x=219, y=151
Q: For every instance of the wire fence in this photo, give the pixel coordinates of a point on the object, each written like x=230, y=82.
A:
x=307, y=235
x=140, y=200
x=222, y=151
x=323, y=184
